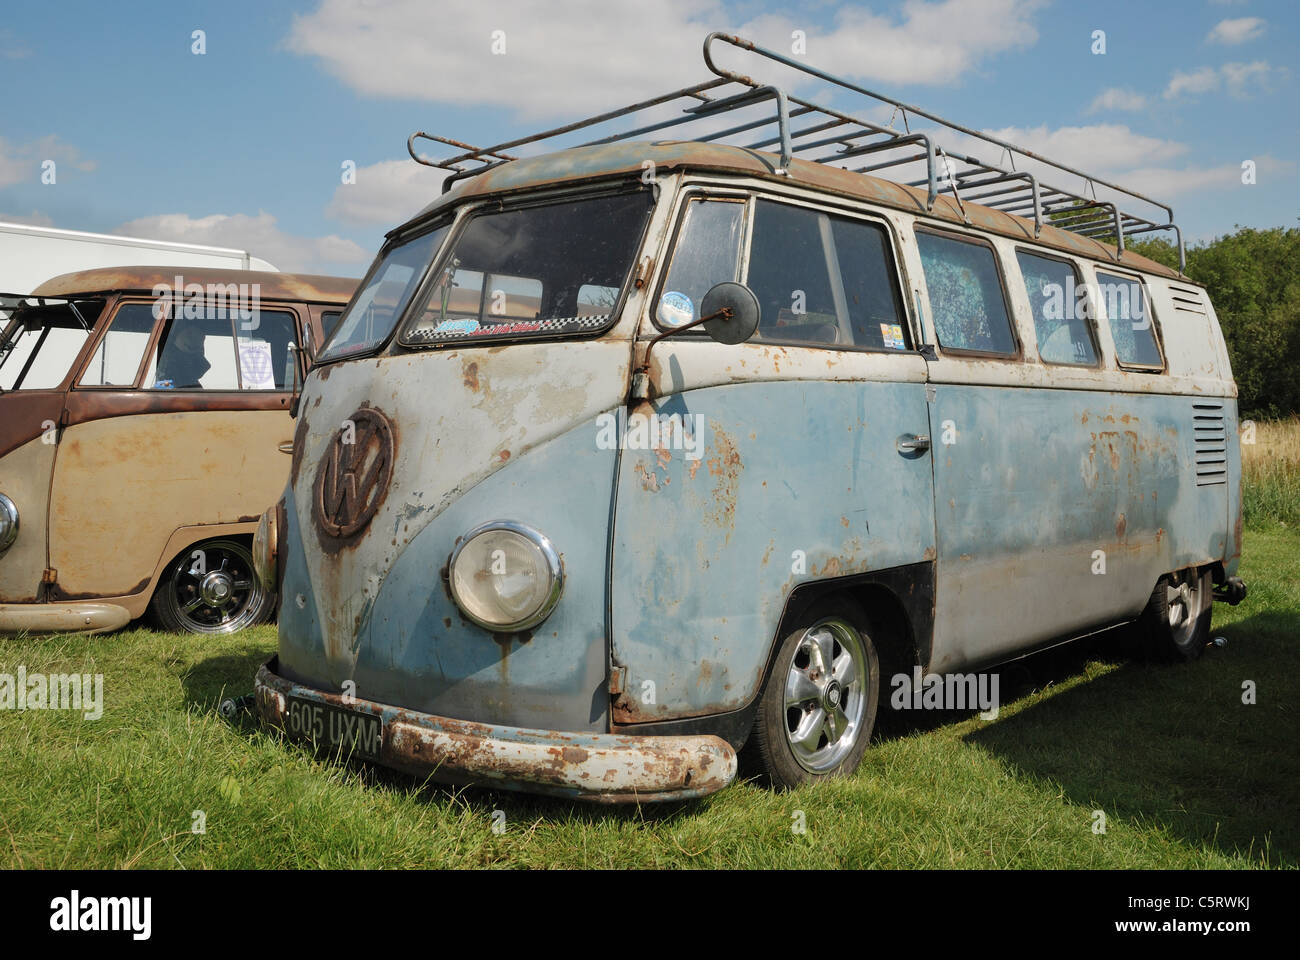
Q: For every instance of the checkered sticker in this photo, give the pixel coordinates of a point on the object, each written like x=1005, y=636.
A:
x=470, y=330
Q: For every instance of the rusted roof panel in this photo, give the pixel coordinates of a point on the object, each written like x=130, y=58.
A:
x=271, y=286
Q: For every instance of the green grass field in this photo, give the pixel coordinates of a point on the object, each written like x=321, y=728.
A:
x=1184, y=772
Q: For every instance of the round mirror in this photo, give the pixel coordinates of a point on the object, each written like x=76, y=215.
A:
x=742, y=323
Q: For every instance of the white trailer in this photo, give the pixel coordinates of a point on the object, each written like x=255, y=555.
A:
x=31, y=255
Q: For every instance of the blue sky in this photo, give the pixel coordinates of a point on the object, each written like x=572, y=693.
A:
x=243, y=145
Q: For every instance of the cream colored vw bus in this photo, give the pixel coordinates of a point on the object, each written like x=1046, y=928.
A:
x=144, y=427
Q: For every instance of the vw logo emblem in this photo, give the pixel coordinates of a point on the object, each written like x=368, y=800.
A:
x=354, y=474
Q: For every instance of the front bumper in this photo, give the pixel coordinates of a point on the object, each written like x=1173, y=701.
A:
x=78, y=617
x=607, y=768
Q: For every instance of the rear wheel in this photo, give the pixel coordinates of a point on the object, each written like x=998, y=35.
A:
x=211, y=589
x=1175, y=626
x=819, y=704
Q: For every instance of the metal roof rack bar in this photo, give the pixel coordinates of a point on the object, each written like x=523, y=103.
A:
x=1019, y=190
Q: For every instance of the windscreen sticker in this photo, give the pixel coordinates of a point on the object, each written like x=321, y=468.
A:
x=892, y=335
x=461, y=329
x=457, y=326
x=675, y=309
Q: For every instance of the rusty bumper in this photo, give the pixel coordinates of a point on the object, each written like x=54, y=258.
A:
x=607, y=768
x=88, y=617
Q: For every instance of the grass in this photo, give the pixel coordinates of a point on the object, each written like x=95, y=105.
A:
x=1271, y=471
x=1185, y=773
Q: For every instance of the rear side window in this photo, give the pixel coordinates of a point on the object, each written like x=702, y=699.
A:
x=1060, y=308
x=1132, y=324
x=966, y=298
x=823, y=279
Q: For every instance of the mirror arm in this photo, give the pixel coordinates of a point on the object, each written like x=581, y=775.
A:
x=641, y=376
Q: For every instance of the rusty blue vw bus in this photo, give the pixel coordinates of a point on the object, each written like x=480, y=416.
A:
x=631, y=455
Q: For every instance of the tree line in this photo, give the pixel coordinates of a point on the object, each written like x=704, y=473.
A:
x=1253, y=278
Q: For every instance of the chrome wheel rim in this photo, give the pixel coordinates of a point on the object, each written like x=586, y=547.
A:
x=825, y=695
x=1183, y=601
x=221, y=595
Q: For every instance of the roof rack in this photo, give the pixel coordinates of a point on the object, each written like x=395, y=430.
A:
x=830, y=136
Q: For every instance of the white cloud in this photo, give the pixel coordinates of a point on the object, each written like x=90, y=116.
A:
x=33, y=219
x=1239, y=78
x=11, y=48
x=1239, y=30
x=22, y=161
x=259, y=235
x=1117, y=98
x=585, y=55
x=1197, y=81
x=386, y=193
x=1099, y=148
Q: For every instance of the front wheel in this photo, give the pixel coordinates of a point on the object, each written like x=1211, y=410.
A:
x=211, y=589
x=819, y=704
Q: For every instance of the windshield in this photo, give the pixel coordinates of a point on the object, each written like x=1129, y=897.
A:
x=383, y=296
x=42, y=339
x=556, y=268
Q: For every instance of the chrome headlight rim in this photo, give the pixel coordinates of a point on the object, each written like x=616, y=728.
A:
x=266, y=549
x=554, y=568
x=8, y=523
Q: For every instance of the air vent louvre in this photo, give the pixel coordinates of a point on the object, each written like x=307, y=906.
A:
x=1210, y=442
x=1187, y=299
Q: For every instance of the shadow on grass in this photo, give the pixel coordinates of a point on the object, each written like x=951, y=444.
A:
x=210, y=681
x=1175, y=746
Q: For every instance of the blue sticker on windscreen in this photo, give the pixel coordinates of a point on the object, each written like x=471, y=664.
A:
x=675, y=309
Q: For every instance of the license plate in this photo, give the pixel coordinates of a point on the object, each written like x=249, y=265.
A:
x=350, y=732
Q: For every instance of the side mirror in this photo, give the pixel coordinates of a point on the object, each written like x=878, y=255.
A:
x=733, y=311
x=729, y=314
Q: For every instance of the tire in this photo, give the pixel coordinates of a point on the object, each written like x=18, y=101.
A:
x=796, y=738
x=218, y=595
x=1175, y=625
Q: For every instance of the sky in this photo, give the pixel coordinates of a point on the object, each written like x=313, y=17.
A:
x=243, y=135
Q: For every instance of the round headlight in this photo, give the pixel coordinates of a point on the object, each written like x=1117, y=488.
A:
x=8, y=522
x=505, y=576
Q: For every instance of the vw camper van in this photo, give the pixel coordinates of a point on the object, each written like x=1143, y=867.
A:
x=144, y=428
x=685, y=439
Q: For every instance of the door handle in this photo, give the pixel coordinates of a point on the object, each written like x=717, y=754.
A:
x=913, y=443
x=286, y=447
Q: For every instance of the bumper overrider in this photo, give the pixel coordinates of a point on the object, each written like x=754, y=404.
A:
x=607, y=768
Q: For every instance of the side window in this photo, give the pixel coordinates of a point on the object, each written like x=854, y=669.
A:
x=215, y=352
x=970, y=311
x=707, y=252
x=116, y=360
x=823, y=279
x=329, y=320
x=1131, y=322
x=266, y=350
x=1060, y=308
